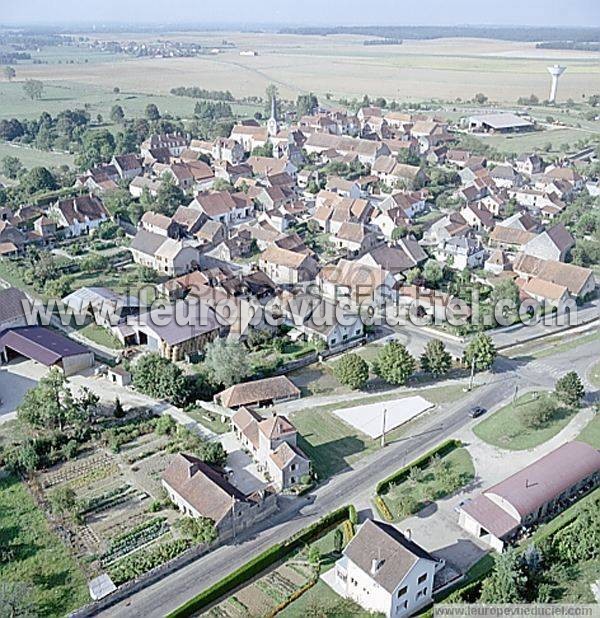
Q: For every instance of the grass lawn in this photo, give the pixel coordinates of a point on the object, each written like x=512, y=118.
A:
x=11, y=273
x=430, y=486
x=505, y=428
x=594, y=376
x=39, y=559
x=334, y=445
x=591, y=432
x=101, y=336
x=322, y=599
x=208, y=420
x=32, y=157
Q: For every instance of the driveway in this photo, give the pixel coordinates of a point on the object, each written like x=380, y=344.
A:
x=243, y=471
x=16, y=379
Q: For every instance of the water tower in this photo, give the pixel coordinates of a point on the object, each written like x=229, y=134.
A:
x=556, y=71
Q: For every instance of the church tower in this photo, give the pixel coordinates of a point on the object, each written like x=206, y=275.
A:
x=272, y=124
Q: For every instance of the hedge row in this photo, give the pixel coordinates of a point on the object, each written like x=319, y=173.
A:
x=258, y=564
x=422, y=462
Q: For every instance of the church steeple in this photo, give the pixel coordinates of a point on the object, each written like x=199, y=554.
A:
x=272, y=124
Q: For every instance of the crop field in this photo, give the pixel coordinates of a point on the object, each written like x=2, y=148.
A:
x=342, y=65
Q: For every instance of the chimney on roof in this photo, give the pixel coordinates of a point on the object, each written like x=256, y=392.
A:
x=376, y=564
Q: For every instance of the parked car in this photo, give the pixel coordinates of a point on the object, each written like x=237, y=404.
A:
x=476, y=411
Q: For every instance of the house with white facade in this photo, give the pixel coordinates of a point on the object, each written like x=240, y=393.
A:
x=273, y=444
x=78, y=215
x=384, y=571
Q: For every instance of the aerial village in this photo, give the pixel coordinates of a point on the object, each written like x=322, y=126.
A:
x=303, y=217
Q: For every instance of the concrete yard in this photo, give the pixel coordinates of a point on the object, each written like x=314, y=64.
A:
x=369, y=418
x=16, y=379
x=243, y=471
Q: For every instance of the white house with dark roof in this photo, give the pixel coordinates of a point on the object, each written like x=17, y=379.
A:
x=165, y=255
x=552, y=244
x=383, y=571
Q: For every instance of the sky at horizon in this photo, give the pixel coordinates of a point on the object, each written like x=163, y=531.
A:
x=307, y=12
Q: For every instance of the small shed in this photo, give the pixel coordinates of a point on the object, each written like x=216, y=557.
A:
x=119, y=375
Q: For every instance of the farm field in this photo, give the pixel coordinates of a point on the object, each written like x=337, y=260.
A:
x=342, y=65
x=60, y=94
x=36, y=557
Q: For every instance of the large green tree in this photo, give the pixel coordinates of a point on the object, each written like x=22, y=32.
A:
x=352, y=370
x=51, y=405
x=306, y=104
x=435, y=359
x=38, y=179
x=481, y=350
x=160, y=378
x=226, y=362
x=506, y=583
x=33, y=88
x=569, y=389
x=394, y=364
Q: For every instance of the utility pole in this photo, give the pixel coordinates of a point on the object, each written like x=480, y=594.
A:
x=383, y=428
x=472, y=372
x=516, y=391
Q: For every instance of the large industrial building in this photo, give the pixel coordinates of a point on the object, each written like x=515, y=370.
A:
x=532, y=495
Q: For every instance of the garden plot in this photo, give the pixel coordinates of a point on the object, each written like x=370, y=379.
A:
x=369, y=418
x=113, y=494
x=265, y=594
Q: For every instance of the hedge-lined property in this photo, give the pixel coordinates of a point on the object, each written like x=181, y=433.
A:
x=261, y=562
x=422, y=462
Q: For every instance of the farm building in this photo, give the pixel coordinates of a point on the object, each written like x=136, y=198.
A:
x=499, y=123
x=199, y=490
x=46, y=347
x=258, y=393
x=537, y=492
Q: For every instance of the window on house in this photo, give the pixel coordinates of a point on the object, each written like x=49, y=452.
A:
x=402, y=591
x=422, y=578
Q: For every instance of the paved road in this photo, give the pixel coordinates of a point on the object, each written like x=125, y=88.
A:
x=356, y=485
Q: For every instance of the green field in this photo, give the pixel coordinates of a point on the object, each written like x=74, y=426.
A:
x=32, y=157
x=65, y=94
x=536, y=141
x=101, y=336
x=35, y=555
x=505, y=428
